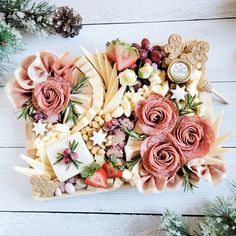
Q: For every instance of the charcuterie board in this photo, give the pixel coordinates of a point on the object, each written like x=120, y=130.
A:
x=136, y=115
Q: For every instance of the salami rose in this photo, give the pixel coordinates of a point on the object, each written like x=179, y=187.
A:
x=34, y=70
x=156, y=114
x=161, y=158
x=51, y=96
x=194, y=136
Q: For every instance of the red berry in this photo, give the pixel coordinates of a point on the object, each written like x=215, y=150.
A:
x=156, y=56
x=148, y=61
x=66, y=160
x=108, y=124
x=67, y=152
x=143, y=54
x=145, y=42
x=114, y=122
x=149, y=47
x=136, y=45
x=75, y=155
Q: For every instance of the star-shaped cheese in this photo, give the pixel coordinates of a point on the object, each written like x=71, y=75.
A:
x=40, y=128
x=98, y=137
x=178, y=93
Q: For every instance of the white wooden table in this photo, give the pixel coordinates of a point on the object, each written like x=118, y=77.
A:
x=124, y=212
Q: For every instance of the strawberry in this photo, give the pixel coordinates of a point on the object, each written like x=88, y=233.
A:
x=124, y=55
x=112, y=172
x=98, y=179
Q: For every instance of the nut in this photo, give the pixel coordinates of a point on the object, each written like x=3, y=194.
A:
x=83, y=131
x=94, y=149
x=90, y=144
x=98, y=118
x=101, y=152
x=95, y=124
x=101, y=122
x=108, y=143
x=85, y=137
x=108, y=117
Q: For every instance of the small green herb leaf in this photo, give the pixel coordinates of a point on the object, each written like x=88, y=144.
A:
x=187, y=182
x=189, y=107
x=135, y=160
x=76, y=88
x=90, y=170
x=134, y=134
x=27, y=110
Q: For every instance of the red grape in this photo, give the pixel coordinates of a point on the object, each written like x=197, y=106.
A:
x=149, y=47
x=148, y=61
x=157, y=48
x=156, y=56
x=143, y=54
x=145, y=42
x=136, y=45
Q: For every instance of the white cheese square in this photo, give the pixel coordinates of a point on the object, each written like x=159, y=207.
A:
x=60, y=168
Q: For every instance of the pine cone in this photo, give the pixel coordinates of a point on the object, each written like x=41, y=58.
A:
x=67, y=22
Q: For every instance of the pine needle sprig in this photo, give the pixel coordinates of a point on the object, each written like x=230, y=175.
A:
x=187, y=182
x=76, y=88
x=29, y=16
x=220, y=218
x=134, y=134
x=189, y=107
x=174, y=224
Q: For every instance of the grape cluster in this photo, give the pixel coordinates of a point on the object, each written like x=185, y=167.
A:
x=148, y=53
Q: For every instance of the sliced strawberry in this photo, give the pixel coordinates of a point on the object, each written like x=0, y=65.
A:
x=125, y=56
x=112, y=172
x=111, y=52
x=98, y=179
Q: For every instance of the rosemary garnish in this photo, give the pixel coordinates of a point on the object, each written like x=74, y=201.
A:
x=134, y=134
x=187, y=182
x=70, y=157
x=189, y=107
x=26, y=110
x=76, y=88
x=72, y=113
x=130, y=164
x=115, y=162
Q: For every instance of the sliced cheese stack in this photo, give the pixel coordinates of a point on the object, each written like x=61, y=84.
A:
x=91, y=97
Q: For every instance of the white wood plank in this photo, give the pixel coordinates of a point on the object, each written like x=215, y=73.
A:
x=12, y=134
x=29, y=224
x=105, y=11
x=219, y=33
x=16, y=194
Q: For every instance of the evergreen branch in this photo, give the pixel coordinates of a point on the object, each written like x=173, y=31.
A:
x=130, y=164
x=28, y=16
x=134, y=134
x=174, y=224
x=189, y=107
x=187, y=182
x=76, y=89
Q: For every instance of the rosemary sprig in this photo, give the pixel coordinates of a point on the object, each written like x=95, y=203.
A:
x=76, y=88
x=70, y=157
x=188, y=184
x=134, y=134
x=73, y=115
x=27, y=110
x=189, y=107
x=130, y=164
